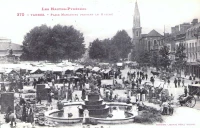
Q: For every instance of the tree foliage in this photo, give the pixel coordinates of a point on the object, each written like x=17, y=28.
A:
x=53, y=44
x=97, y=50
x=154, y=59
x=180, y=57
x=144, y=57
x=111, y=50
x=103, y=50
x=122, y=41
x=164, y=60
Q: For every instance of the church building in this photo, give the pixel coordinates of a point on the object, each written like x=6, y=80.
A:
x=144, y=42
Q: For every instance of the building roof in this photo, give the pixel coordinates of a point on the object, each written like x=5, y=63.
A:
x=153, y=33
x=194, y=27
x=143, y=35
x=180, y=37
x=16, y=46
x=7, y=45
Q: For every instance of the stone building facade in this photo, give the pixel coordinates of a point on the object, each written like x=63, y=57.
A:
x=143, y=42
x=5, y=47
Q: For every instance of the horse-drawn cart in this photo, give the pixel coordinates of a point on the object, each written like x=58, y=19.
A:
x=194, y=89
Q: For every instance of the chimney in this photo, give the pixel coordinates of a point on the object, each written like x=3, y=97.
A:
x=194, y=21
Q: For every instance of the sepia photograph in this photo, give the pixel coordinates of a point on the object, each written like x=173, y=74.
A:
x=99, y=63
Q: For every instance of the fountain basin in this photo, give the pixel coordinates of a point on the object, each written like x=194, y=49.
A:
x=101, y=111
x=118, y=115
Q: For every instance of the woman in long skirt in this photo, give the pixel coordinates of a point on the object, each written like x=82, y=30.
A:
x=24, y=114
x=30, y=115
x=18, y=111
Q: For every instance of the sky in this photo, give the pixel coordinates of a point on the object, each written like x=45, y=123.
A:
x=118, y=15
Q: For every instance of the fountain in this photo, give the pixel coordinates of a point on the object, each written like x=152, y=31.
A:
x=95, y=105
x=92, y=110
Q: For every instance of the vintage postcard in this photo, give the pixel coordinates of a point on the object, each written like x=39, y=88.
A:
x=99, y=63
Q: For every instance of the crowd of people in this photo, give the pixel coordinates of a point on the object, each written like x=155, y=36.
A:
x=63, y=87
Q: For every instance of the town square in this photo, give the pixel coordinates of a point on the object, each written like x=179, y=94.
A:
x=61, y=75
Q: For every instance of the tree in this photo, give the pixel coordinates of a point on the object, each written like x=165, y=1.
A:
x=113, y=54
x=144, y=57
x=53, y=44
x=104, y=50
x=154, y=59
x=164, y=57
x=122, y=41
x=97, y=50
x=180, y=58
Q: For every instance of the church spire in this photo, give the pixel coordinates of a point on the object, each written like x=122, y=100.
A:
x=136, y=18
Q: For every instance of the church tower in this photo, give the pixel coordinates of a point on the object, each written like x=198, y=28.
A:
x=137, y=30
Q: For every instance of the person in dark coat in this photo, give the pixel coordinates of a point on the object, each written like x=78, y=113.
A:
x=39, y=98
x=140, y=80
x=34, y=83
x=185, y=91
x=146, y=76
x=30, y=115
x=21, y=101
x=152, y=80
x=24, y=114
x=138, y=74
x=175, y=82
x=133, y=85
x=69, y=94
x=179, y=82
x=83, y=94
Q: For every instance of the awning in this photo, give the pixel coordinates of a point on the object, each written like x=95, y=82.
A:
x=119, y=64
x=36, y=75
x=96, y=69
x=36, y=70
x=71, y=68
x=9, y=71
x=57, y=69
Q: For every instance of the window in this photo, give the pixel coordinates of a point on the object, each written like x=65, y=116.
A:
x=191, y=34
x=199, y=46
x=149, y=44
x=192, y=46
x=195, y=47
x=169, y=46
x=155, y=42
x=196, y=56
x=137, y=34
